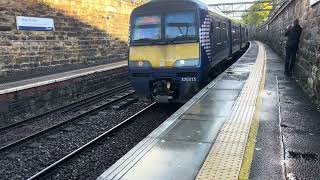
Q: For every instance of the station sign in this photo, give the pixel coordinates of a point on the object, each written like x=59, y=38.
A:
x=313, y=2
x=34, y=23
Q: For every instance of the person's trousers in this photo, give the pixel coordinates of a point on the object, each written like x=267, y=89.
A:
x=290, y=59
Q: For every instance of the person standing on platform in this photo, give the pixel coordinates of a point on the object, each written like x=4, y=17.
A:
x=293, y=35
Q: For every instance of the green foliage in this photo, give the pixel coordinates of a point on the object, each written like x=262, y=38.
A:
x=255, y=16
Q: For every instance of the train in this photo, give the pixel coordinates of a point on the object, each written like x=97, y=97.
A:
x=176, y=45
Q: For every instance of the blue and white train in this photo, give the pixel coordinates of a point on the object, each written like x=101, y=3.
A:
x=176, y=44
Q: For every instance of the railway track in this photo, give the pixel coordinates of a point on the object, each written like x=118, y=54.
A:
x=44, y=172
x=68, y=107
x=24, y=157
x=106, y=96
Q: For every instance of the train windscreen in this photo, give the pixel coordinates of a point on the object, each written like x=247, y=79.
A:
x=181, y=24
x=147, y=28
x=168, y=27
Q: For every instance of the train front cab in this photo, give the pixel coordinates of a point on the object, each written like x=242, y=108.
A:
x=171, y=84
x=164, y=59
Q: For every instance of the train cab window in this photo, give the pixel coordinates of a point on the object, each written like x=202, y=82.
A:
x=181, y=24
x=147, y=28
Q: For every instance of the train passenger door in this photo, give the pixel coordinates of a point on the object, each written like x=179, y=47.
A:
x=220, y=43
x=241, y=38
x=224, y=39
x=229, y=37
x=247, y=35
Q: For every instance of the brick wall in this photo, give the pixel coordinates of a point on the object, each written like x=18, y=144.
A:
x=88, y=32
x=307, y=69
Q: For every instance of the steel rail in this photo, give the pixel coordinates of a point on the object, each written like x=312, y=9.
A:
x=78, y=151
x=68, y=107
x=88, y=113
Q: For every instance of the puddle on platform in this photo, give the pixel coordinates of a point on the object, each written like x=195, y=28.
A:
x=287, y=102
x=303, y=156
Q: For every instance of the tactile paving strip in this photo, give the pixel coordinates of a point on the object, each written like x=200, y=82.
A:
x=225, y=158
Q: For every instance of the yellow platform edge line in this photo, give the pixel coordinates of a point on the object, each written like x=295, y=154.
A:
x=251, y=141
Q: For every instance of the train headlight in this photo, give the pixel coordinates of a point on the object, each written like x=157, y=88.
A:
x=187, y=63
x=139, y=64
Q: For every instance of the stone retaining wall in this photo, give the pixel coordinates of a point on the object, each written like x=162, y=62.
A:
x=33, y=99
x=307, y=69
x=87, y=32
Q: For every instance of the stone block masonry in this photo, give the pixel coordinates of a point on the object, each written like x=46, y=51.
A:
x=307, y=69
x=88, y=32
x=34, y=99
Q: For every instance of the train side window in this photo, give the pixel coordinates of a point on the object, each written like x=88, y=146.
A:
x=218, y=33
x=224, y=32
x=212, y=33
x=218, y=25
x=242, y=32
x=234, y=37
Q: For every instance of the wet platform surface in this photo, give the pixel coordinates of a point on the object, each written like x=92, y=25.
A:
x=183, y=147
x=44, y=80
x=288, y=139
x=178, y=148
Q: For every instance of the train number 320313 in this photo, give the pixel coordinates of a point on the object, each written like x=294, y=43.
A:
x=189, y=79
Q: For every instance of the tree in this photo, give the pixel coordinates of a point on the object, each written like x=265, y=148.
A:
x=257, y=14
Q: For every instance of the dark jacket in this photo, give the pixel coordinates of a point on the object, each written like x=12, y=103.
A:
x=293, y=33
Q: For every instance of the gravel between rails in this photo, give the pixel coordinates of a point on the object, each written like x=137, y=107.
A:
x=14, y=134
x=25, y=160
x=53, y=105
x=95, y=160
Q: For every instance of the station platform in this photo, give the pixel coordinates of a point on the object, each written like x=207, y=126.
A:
x=234, y=128
x=45, y=80
x=38, y=94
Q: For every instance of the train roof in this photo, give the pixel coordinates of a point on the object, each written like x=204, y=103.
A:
x=152, y=5
x=197, y=2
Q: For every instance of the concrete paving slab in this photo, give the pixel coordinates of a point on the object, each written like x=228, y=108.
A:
x=241, y=69
x=229, y=84
x=196, y=131
x=213, y=108
x=223, y=95
x=170, y=160
x=199, y=117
